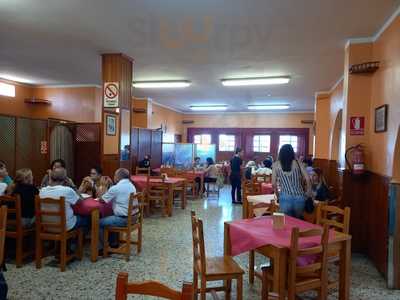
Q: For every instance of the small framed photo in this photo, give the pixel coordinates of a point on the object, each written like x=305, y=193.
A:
x=111, y=125
x=381, y=114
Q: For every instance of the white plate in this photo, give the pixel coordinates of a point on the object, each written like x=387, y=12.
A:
x=84, y=196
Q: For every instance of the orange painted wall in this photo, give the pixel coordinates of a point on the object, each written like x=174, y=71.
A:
x=386, y=90
x=142, y=120
x=168, y=117
x=322, y=126
x=81, y=104
x=251, y=120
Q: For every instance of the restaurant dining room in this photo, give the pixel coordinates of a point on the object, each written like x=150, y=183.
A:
x=200, y=149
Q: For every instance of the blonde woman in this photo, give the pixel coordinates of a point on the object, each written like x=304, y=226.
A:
x=23, y=186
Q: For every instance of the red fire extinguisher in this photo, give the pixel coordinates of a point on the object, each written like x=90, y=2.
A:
x=355, y=159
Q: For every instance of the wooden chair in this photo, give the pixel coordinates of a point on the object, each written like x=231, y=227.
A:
x=213, y=268
x=339, y=220
x=255, y=210
x=190, y=181
x=15, y=229
x=51, y=226
x=171, y=172
x=156, y=195
x=150, y=288
x=134, y=222
x=249, y=189
x=312, y=276
x=142, y=171
x=3, y=224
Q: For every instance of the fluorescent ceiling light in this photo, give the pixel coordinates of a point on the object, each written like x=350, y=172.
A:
x=208, y=107
x=15, y=78
x=269, y=107
x=161, y=84
x=7, y=89
x=255, y=81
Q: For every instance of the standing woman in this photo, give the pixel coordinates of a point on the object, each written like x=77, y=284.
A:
x=291, y=177
x=236, y=176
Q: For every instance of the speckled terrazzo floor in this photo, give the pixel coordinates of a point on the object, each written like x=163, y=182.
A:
x=167, y=257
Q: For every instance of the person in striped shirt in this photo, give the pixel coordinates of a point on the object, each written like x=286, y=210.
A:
x=291, y=182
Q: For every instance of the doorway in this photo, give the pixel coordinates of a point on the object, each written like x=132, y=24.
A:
x=336, y=140
x=62, y=146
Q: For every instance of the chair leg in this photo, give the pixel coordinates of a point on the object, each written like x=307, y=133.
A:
x=264, y=285
x=38, y=255
x=128, y=246
x=139, y=242
x=19, y=250
x=239, y=288
x=195, y=284
x=251, y=266
x=63, y=254
x=228, y=288
x=105, y=246
x=203, y=288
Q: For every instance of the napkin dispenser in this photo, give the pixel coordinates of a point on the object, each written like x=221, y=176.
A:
x=164, y=176
x=278, y=220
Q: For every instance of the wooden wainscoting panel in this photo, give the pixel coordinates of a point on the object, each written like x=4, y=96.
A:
x=110, y=163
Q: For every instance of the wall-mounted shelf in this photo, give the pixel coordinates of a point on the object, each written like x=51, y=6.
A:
x=37, y=101
x=364, y=68
x=139, y=110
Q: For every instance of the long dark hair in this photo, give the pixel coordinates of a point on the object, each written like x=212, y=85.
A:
x=210, y=161
x=286, y=157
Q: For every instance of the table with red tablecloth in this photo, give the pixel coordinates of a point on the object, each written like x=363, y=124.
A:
x=258, y=234
x=95, y=209
x=140, y=182
x=267, y=188
x=190, y=175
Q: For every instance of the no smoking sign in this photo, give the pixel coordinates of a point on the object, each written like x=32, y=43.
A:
x=111, y=94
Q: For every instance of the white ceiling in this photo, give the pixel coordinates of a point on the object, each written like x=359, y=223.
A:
x=59, y=42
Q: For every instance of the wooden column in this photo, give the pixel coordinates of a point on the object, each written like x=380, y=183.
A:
x=117, y=68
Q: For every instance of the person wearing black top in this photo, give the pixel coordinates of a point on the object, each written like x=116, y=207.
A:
x=23, y=186
x=145, y=163
x=236, y=177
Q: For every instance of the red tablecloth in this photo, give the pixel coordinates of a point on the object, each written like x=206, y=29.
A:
x=140, y=181
x=266, y=188
x=86, y=206
x=250, y=234
x=189, y=174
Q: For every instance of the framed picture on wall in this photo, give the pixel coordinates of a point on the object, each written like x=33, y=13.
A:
x=381, y=113
x=111, y=125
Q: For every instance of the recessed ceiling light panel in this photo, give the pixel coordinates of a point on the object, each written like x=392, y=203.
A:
x=208, y=107
x=161, y=84
x=255, y=81
x=268, y=107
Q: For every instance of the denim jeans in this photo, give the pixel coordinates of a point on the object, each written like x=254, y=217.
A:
x=292, y=205
x=110, y=221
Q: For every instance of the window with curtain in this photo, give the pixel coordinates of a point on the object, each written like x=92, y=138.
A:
x=204, y=139
x=289, y=139
x=226, y=142
x=262, y=143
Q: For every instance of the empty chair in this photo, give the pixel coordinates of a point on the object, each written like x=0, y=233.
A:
x=150, y=288
x=302, y=277
x=51, y=226
x=156, y=195
x=15, y=229
x=212, y=268
x=134, y=222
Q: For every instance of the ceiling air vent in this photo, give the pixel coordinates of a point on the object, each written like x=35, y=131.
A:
x=187, y=122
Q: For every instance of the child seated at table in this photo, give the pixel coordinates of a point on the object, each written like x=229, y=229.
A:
x=96, y=184
x=23, y=186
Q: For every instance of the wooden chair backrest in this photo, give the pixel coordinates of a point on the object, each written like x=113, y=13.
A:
x=266, y=208
x=319, y=251
x=132, y=207
x=145, y=171
x=199, y=252
x=50, y=215
x=334, y=217
x=150, y=288
x=171, y=172
x=13, y=203
x=252, y=188
x=3, y=224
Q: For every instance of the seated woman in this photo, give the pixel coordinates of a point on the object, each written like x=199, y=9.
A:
x=319, y=187
x=95, y=185
x=56, y=164
x=23, y=186
x=211, y=171
x=196, y=163
x=4, y=177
